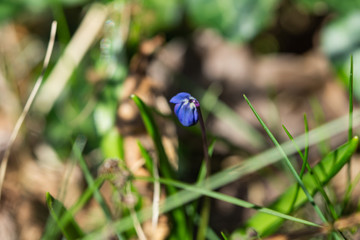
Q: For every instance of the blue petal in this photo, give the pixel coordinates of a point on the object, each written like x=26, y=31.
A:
x=177, y=108
x=180, y=97
x=187, y=114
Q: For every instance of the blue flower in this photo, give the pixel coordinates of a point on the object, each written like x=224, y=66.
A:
x=186, y=108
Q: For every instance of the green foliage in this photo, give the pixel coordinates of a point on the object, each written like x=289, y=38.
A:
x=326, y=169
x=112, y=145
x=9, y=8
x=90, y=181
x=204, y=191
x=154, y=133
x=340, y=7
x=237, y=20
x=339, y=38
x=288, y=163
x=154, y=16
x=70, y=228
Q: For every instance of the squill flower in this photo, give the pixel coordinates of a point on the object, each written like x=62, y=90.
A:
x=186, y=108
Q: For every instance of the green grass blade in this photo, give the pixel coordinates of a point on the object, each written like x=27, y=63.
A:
x=151, y=128
x=329, y=204
x=51, y=232
x=223, y=197
x=90, y=180
x=319, y=115
x=164, y=165
x=327, y=168
x=348, y=192
x=112, y=144
x=319, y=186
x=302, y=168
x=59, y=14
x=351, y=99
x=304, y=156
x=149, y=163
x=205, y=210
x=306, y=150
x=85, y=197
x=224, y=236
x=351, y=109
x=204, y=219
x=152, y=168
x=70, y=229
x=202, y=172
x=293, y=141
x=288, y=163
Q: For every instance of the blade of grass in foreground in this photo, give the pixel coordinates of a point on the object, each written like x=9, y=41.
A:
x=203, y=223
x=153, y=131
x=223, y=197
x=325, y=170
x=51, y=231
x=351, y=98
x=348, y=193
x=89, y=178
x=152, y=168
x=351, y=109
x=149, y=162
x=304, y=156
x=77, y=149
x=224, y=236
x=164, y=165
x=319, y=117
x=320, y=188
x=70, y=229
x=288, y=163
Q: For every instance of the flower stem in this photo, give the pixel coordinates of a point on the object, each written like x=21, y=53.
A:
x=205, y=211
x=205, y=145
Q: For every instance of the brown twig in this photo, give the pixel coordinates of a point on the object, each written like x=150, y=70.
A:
x=28, y=104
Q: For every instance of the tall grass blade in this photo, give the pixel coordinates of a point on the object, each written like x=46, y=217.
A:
x=205, y=209
x=326, y=169
x=351, y=109
x=149, y=163
x=288, y=163
x=224, y=236
x=223, y=197
x=89, y=178
x=315, y=177
x=306, y=149
x=149, y=122
x=303, y=165
x=319, y=116
x=348, y=193
x=51, y=229
x=70, y=229
x=351, y=99
x=164, y=164
x=152, y=168
x=112, y=144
